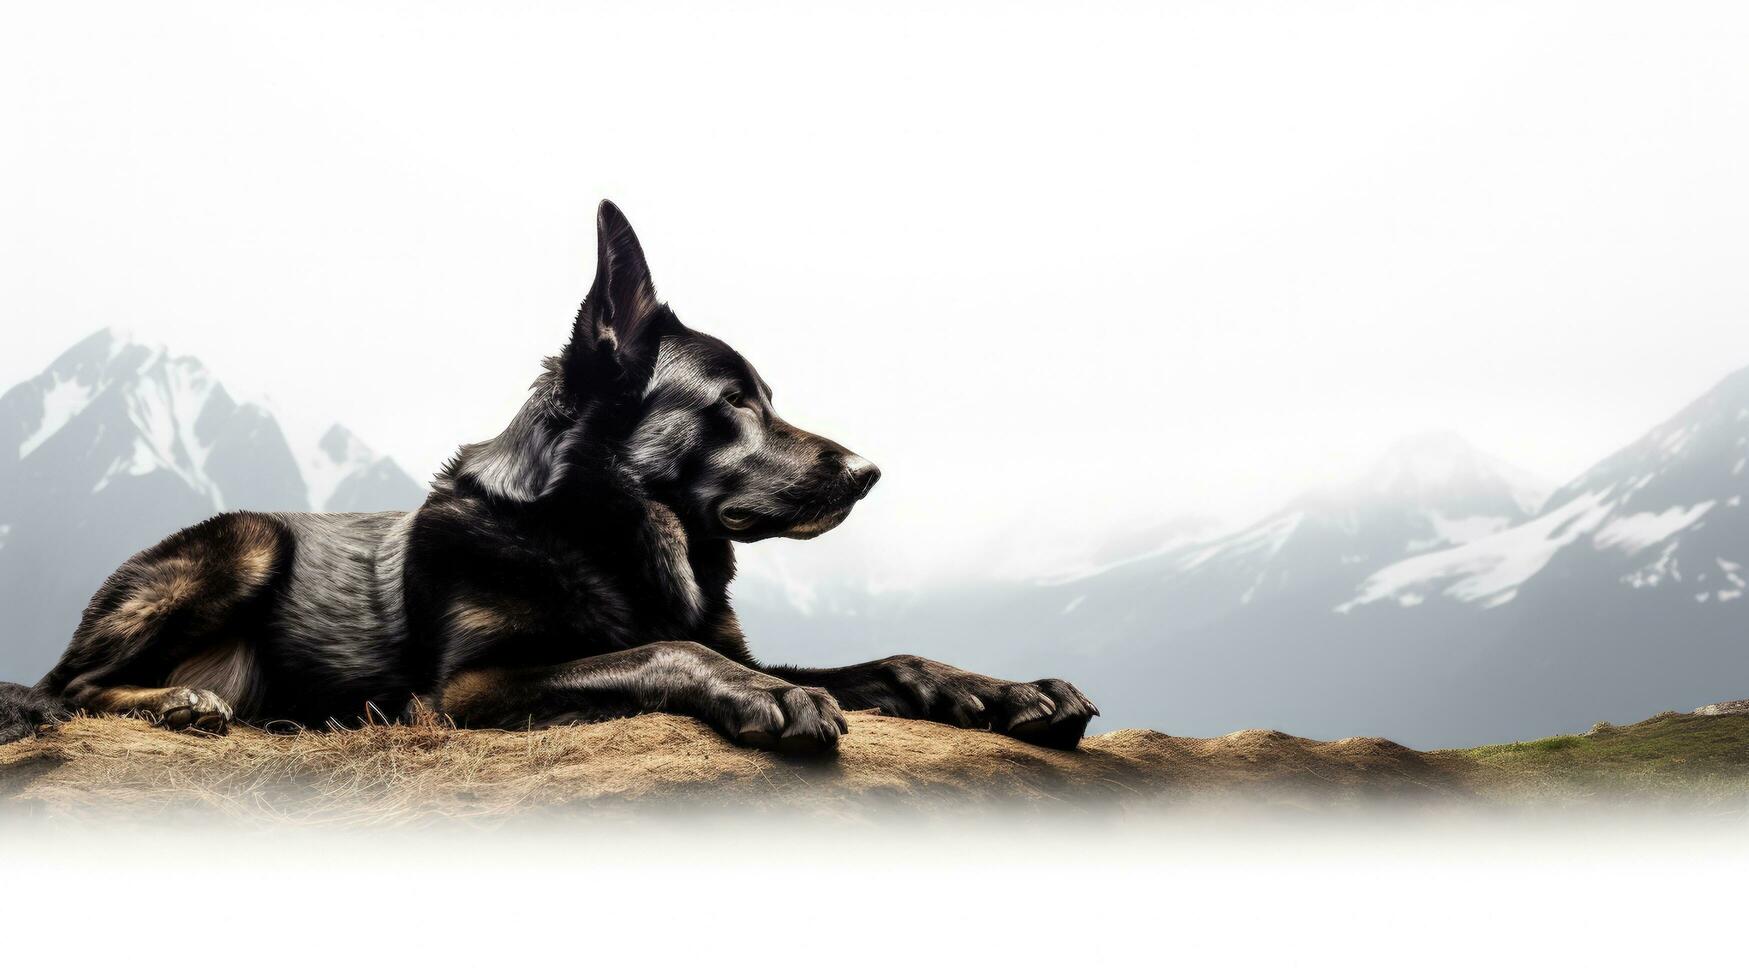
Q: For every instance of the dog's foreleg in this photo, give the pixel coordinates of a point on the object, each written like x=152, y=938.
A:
x=1048, y=712
x=682, y=678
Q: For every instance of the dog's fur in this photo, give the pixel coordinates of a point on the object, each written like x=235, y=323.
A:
x=574, y=567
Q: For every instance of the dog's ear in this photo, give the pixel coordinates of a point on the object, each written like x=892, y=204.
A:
x=610, y=331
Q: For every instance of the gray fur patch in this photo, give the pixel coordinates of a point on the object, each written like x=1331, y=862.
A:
x=344, y=604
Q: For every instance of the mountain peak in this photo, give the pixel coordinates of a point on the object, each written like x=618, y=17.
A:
x=339, y=445
x=1699, y=453
x=1442, y=468
x=1424, y=460
x=346, y=474
x=1429, y=472
x=1663, y=512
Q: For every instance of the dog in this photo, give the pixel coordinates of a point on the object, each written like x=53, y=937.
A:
x=573, y=568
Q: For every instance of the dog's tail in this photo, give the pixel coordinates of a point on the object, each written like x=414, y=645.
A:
x=23, y=709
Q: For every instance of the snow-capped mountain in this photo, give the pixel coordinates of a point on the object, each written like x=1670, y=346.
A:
x=1665, y=513
x=117, y=444
x=1426, y=493
x=344, y=474
x=110, y=412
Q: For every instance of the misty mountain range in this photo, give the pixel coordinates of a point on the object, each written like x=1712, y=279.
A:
x=1443, y=598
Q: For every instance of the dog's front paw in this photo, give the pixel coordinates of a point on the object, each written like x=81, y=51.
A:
x=1049, y=712
x=1064, y=720
x=190, y=708
x=785, y=718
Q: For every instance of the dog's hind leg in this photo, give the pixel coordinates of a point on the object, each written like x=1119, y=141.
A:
x=170, y=707
x=163, y=638
x=683, y=678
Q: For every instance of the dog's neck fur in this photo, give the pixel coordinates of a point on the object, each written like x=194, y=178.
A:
x=555, y=467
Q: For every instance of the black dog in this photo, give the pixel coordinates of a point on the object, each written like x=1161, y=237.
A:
x=575, y=567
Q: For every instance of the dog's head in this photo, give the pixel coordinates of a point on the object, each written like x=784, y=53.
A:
x=689, y=419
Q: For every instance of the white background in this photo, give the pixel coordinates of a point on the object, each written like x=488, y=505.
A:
x=1417, y=896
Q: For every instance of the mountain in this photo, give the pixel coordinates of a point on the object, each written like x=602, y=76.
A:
x=1664, y=514
x=115, y=445
x=1426, y=493
x=346, y=475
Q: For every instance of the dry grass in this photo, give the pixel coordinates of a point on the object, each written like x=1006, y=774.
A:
x=397, y=775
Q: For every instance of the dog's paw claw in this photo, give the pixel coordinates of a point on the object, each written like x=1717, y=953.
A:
x=1065, y=723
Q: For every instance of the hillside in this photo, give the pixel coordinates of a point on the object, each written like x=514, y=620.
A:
x=393, y=775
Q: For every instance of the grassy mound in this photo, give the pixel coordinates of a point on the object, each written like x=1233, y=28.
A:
x=428, y=772
x=1691, y=755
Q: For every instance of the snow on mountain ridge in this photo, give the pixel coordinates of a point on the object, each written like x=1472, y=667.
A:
x=1636, y=532
x=345, y=474
x=1664, y=491
x=1488, y=571
x=1426, y=491
x=1681, y=458
x=63, y=390
x=337, y=455
x=165, y=402
x=157, y=412
x=162, y=398
x=65, y=399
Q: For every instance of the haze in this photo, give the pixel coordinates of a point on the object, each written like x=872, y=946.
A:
x=1061, y=272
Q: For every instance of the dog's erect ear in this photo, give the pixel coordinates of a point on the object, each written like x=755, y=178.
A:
x=622, y=300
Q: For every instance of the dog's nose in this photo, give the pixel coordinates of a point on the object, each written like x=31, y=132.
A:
x=862, y=473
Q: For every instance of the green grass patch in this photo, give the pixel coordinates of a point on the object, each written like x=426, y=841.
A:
x=1670, y=752
x=1560, y=743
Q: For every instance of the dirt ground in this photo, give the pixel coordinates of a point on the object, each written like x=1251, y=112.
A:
x=396, y=775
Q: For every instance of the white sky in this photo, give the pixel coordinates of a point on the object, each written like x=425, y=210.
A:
x=1055, y=270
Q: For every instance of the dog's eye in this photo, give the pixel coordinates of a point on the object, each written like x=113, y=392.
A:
x=735, y=398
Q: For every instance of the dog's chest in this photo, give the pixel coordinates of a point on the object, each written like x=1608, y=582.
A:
x=670, y=565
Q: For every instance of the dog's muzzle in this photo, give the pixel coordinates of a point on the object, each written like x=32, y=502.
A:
x=858, y=478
